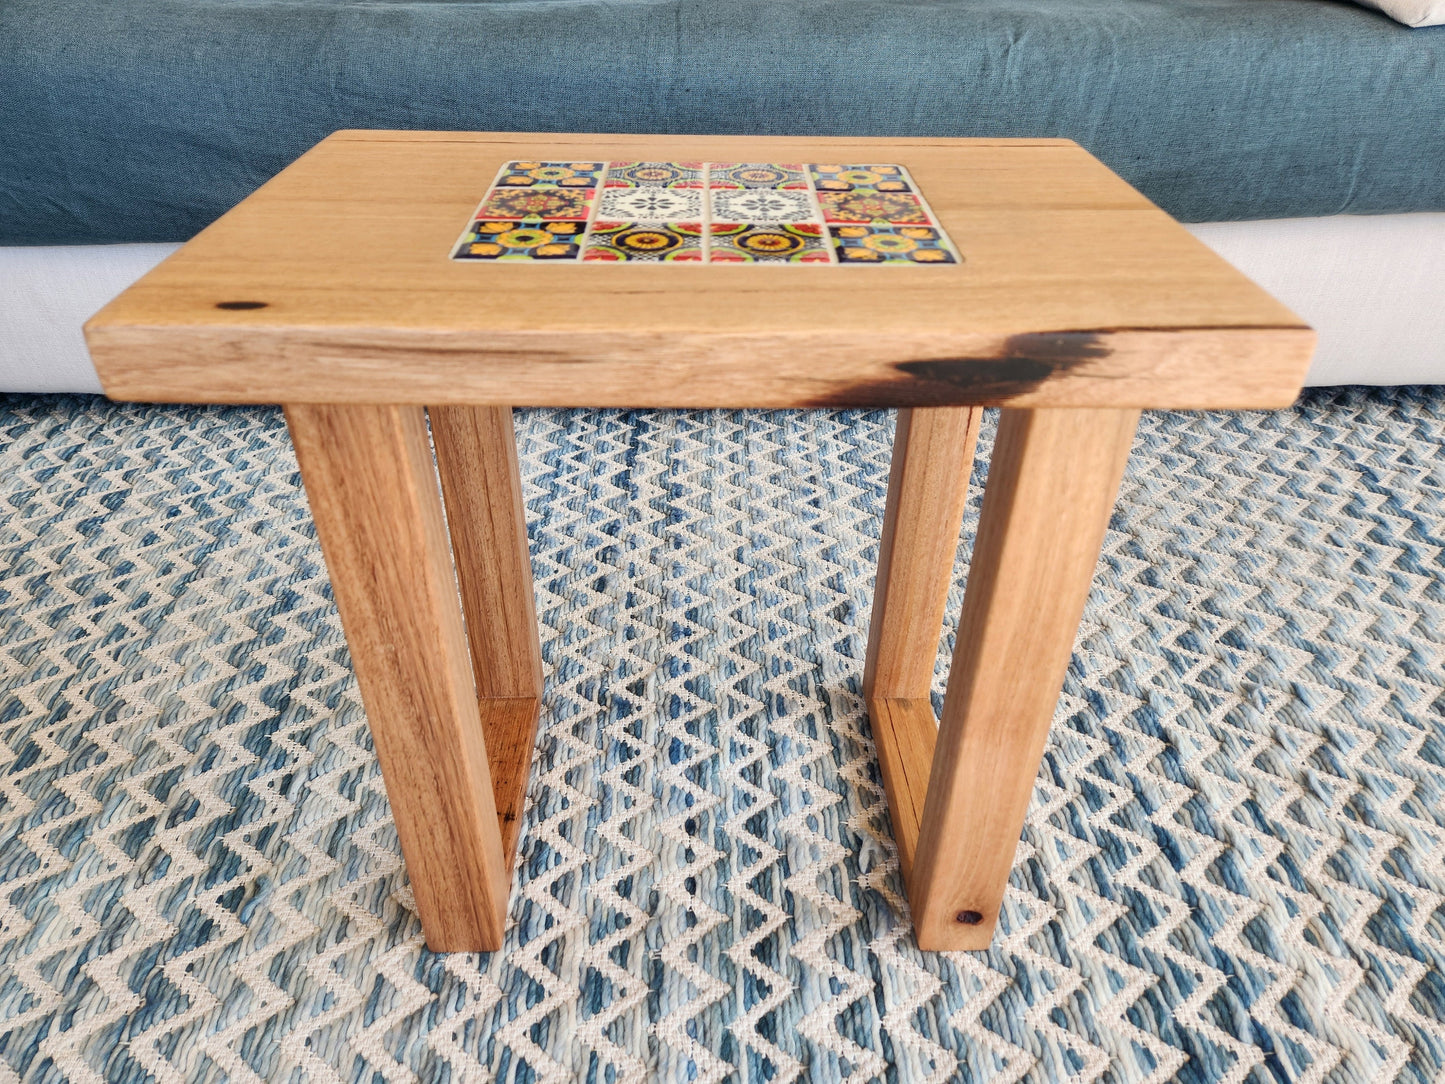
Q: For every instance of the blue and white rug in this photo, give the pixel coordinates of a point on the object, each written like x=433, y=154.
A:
x=1232, y=869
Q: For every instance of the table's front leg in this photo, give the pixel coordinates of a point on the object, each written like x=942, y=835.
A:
x=1051, y=487
x=372, y=485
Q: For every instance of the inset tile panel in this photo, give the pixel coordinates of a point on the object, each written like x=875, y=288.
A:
x=870, y=205
x=762, y=205
x=787, y=242
x=646, y=242
x=696, y=212
x=539, y=203
x=512, y=240
x=892, y=245
x=873, y=178
x=651, y=203
x=757, y=175
x=558, y=174
x=665, y=174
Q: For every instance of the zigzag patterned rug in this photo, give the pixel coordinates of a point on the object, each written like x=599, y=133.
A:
x=1232, y=870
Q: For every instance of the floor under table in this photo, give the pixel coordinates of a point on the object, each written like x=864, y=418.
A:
x=1232, y=869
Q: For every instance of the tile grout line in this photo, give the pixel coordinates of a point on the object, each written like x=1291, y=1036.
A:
x=707, y=212
x=594, y=212
x=829, y=247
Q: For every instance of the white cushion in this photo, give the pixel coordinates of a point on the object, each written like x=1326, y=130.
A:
x=46, y=293
x=1411, y=12
x=1373, y=286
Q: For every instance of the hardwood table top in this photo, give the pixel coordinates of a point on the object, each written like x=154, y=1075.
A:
x=366, y=272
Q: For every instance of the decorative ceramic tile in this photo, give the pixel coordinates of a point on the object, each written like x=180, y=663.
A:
x=651, y=203
x=705, y=212
x=868, y=205
x=892, y=244
x=667, y=174
x=561, y=174
x=793, y=242
x=503, y=240
x=672, y=242
x=756, y=175
x=763, y=205
x=539, y=203
x=877, y=178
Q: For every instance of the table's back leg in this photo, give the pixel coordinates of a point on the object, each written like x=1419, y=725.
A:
x=372, y=486
x=927, y=490
x=1051, y=487
x=482, y=487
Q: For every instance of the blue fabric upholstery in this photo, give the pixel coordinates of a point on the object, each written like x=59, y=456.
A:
x=142, y=120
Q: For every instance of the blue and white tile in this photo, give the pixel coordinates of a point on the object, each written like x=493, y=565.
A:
x=763, y=205
x=651, y=203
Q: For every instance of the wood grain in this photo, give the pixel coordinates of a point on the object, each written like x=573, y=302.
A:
x=372, y=486
x=509, y=727
x=1074, y=290
x=1188, y=370
x=927, y=491
x=905, y=733
x=1075, y=294
x=476, y=455
x=1052, y=482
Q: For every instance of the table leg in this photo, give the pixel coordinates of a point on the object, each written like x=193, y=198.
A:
x=1051, y=487
x=482, y=489
x=927, y=491
x=372, y=486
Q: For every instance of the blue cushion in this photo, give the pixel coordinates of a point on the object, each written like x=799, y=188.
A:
x=142, y=120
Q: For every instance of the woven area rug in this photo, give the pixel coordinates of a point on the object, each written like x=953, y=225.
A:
x=1232, y=869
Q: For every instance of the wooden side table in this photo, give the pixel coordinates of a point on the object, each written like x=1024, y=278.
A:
x=365, y=289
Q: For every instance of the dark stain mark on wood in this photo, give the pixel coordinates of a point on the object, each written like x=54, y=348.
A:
x=1025, y=362
x=235, y=306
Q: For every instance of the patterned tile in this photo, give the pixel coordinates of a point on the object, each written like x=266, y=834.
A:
x=793, y=242
x=651, y=203
x=539, y=203
x=877, y=178
x=763, y=205
x=892, y=244
x=756, y=175
x=762, y=212
x=673, y=242
x=512, y=240
x=667, y=174
x=868, y=205
x=563, y=174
